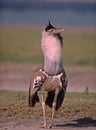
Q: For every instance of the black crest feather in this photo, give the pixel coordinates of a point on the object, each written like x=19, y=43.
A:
x=49, y=26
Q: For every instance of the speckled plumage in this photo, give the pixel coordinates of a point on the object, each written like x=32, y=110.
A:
x=41, y=81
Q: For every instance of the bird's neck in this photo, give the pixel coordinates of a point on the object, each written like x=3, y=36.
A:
x=53, y=67
x=52, y=51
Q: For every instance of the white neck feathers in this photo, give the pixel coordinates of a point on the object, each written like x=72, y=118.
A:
x=52, y=50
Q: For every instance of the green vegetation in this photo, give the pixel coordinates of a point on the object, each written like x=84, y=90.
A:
x=23, y=45
x=15, y=104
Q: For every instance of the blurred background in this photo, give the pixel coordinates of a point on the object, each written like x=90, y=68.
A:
x=38, y=12
x=21, y=23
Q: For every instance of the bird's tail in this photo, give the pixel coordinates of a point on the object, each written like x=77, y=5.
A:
x=50, y=99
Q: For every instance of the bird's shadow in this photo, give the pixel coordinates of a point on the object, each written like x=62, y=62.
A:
x=81, y=122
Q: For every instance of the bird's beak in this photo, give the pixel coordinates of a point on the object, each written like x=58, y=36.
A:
x=55, y=31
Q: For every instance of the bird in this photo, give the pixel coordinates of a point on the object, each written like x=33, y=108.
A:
x=51, y=76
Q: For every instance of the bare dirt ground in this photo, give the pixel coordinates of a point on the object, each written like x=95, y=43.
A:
x=60, y=124
x=17, y=76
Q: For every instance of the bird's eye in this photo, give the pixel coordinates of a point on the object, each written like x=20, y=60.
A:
x=50, y=30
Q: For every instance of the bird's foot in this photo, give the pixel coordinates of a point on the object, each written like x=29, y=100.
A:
x=44, y=126
x=50, y=127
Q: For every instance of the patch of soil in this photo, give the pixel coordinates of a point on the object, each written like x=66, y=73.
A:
x=60, y=124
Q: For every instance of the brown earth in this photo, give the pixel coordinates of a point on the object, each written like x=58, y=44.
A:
x=60, y=124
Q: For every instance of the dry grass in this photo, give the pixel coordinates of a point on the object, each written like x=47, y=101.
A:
x=15, y=104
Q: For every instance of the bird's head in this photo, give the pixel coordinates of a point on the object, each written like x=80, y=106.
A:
x=50, y=29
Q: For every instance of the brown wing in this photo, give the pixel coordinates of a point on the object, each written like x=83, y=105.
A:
x=36, y=82
x=61, y=94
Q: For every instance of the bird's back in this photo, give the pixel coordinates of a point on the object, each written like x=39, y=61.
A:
x=41, y=81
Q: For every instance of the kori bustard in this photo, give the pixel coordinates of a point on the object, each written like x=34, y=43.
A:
x=51, y=77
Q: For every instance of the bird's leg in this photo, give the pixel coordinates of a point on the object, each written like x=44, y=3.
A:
x=53, y=107
x=43, y=107
x=53, y=111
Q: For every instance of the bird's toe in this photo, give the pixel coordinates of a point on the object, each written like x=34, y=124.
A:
x=50, y=127
x=44, y=126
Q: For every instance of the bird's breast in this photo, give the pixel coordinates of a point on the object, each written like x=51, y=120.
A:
x=52, y=48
